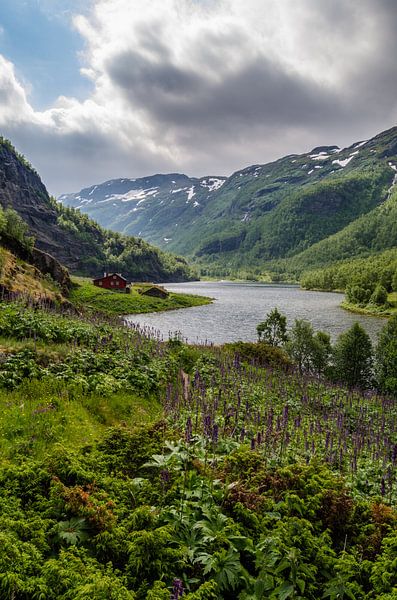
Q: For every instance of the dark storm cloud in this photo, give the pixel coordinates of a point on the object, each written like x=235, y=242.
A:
x=259, y=90
x=262, y=91
x=209, y=92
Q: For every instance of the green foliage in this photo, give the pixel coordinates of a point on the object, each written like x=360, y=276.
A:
x=259, y=353
x=207, y=591
x=273, y=330
x=99, y=499
x=386, y=358
x=353, y=357
x=366, y=281
x=72, y=532
x=13, y=227
x=84, y=294
x=311, y=352
x=394, y=281
x=379, y=295
x=135, y=258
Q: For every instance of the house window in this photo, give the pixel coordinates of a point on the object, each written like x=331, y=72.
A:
x=100, y=283
x=114, y=276
x=117, y=283
x=112, y=283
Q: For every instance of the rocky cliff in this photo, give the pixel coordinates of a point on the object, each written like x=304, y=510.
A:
x=73, y=239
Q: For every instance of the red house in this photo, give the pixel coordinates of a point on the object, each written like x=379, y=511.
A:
x=111, y=281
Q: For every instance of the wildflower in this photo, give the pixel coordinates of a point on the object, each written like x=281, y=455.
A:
x=177, y=589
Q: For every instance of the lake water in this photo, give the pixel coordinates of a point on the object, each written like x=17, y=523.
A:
x=239, y=307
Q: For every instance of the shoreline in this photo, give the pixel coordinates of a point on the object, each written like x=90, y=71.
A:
x=88, y=297
x=359, y=310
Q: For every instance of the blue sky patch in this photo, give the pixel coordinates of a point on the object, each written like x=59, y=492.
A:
x=38, y=37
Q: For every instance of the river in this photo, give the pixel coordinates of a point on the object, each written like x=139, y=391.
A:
x=239, y=307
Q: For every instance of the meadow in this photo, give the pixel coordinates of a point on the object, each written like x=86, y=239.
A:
x=84, y=294
x=134, y=468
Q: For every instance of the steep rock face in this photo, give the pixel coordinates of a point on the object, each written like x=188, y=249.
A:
x=22, y=189
x=67, y=236
x=44, y=262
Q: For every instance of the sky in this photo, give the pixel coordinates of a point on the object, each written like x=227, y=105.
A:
x=92, y=90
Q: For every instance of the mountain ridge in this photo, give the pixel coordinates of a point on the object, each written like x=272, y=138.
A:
x=258, y=215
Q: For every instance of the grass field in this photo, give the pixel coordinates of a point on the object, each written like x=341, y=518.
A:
x=85, y=294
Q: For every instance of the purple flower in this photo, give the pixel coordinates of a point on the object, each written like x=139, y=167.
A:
x=177, y=589
x=207, y=425
x=188, y=430
x=394, y=455
x=383, y=487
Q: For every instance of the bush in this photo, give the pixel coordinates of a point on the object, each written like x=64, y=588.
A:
x=379, y=296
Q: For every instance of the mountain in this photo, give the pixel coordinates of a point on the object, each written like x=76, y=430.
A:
x=258, y=215
x=151, y=207
x=71, y=237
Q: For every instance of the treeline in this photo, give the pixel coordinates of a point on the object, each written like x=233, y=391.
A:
x=352, y=360
x=113, y=251
x=366, y=281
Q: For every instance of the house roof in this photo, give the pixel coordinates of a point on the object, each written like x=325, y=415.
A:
x=110, y=275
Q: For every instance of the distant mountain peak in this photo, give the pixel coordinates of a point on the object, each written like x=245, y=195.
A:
x=260, y=213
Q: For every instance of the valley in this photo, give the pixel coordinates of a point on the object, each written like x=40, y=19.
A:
x=254, y=460
x=296, y=213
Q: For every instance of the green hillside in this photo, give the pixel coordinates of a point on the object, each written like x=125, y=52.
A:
x=264, y=218
x=72, y=238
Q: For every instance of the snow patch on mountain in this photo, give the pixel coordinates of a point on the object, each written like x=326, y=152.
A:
x=320, y=156
x=131, y=196
x=212, y=183
x=343, y=163
x=190, y=194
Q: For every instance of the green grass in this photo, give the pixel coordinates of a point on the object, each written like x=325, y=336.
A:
x=86, y=295
x=41, y=414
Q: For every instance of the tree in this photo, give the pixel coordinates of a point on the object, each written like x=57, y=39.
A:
x=394, y=282
x=357, y=294
x=322, y=352
x=273, y=330
x=309, y=351
x=353, y=357
x=379, y=296
x=386, y=358
x=300, y=345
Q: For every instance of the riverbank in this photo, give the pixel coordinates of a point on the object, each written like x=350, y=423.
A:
x=85, y=295
x=372, y=310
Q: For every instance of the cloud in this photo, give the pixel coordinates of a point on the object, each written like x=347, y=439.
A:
x=210, y=86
